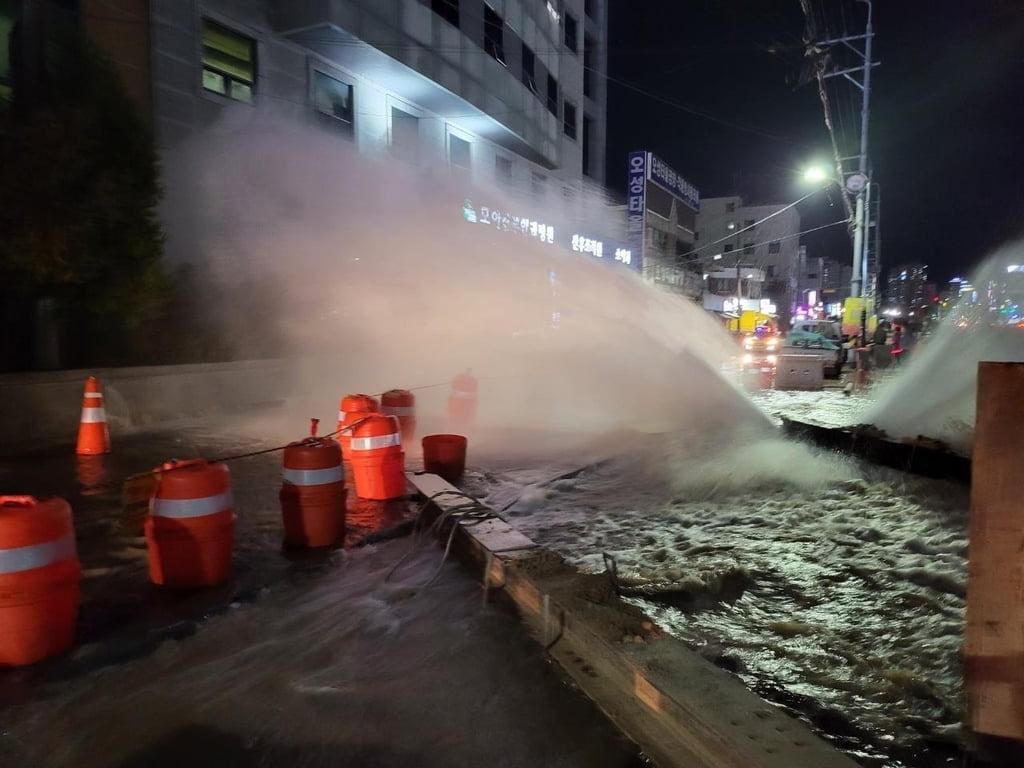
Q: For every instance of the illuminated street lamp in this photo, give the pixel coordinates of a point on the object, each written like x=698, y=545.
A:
x=856, y=185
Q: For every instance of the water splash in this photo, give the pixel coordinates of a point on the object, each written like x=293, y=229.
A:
x=935, y=394
x=365, y=269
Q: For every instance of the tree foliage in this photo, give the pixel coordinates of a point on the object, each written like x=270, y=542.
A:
x=79, y=195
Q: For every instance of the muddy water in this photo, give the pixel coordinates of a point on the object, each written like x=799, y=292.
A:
x=840, y=597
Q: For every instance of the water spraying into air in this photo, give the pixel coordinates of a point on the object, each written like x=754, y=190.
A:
x=372, y=272
x=935, y=395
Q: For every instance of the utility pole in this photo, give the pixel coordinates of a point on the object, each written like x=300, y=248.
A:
x=856, y=183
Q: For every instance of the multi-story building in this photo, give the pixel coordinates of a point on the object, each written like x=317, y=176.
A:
x=661, y=214
x=907, y=287
x=751, y=253
x=511, y=91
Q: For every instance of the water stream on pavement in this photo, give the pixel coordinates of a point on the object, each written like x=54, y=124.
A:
x=832, y=589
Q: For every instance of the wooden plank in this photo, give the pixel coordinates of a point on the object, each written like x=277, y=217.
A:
x=994, y=636
x=679, y=708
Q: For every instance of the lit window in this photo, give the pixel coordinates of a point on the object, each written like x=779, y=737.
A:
x=229, y=62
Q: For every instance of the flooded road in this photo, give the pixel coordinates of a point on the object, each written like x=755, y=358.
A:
x=833, y=589
x=303, y=658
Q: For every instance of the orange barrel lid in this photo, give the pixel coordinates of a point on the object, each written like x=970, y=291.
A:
x=26, y=521
x=191, y=479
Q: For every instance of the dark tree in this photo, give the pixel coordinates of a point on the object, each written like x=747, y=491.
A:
x=80, y=253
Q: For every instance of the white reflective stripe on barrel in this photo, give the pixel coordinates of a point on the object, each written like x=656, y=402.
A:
x=37, y=555
x=94, y=394
x=341, y=416
x=180, y=508
x=463, y=395
x=93, y=415
x=378, y=441
x=313, y=476
x=398, y=410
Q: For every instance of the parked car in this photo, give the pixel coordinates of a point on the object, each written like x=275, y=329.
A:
x=817, y=346
x=830, y=329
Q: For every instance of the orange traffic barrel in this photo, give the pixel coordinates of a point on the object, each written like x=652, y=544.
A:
x=190, y=531
x=39, y=573
x=351, y=409
x=93, y=434
x=402, y=404
x=445, y=455
x=378, y=462
x=313, y=493
x=462, y=400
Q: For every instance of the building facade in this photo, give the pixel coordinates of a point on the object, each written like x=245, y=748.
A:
x=661, y=214
x=510, y=90
x=907, y=288
x=751, y=255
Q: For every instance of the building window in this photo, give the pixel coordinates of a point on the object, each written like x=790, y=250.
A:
x=458, y=151
x=769, y=271
x=538, y=183
x=588, y=67
x=494, y=35
x=588, y=124
x=748, y=248
x=727, y=247
x=333, y=100
x=570, y=32
x=569, y=119
x=748, y=223
x=659, y=239
x=447, y=10
x=502, y=168
x=589, y=8
x=529, y=62
x=405, y=134
x=775, y=247
x=730, y=207
x=229, y=62
x=6, y=40
x=552, y=95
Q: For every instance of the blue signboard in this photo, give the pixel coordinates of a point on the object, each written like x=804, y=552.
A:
x=636, y=203
x=664, y=175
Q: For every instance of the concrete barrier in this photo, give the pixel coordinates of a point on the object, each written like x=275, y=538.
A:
x=799, y=372
x=43, y=408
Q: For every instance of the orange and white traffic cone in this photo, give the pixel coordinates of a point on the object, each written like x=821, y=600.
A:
x=93, y=435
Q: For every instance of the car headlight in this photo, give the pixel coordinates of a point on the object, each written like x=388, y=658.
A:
x=748, y=358
x=748, y=345
x=771, y=359
x=771, y=344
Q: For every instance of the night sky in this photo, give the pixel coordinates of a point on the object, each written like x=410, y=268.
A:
x=713, y=87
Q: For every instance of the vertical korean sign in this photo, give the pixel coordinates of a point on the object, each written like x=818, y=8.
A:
x=636, y=204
